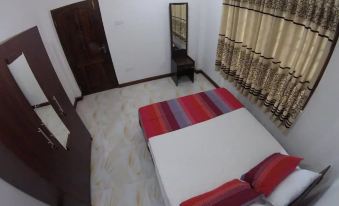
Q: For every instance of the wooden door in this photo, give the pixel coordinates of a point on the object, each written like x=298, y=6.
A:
x=21, y=134
x=79, y=142
x=81, y=32
x=66, y=170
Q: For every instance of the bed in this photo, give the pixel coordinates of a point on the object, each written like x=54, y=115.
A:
x=200, y=156
x=168, y=116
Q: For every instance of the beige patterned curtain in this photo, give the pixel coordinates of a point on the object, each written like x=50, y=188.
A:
x=274, y=50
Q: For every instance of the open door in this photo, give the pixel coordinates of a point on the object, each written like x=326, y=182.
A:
x=44, y=150
x=25, y=154
x=81, y=32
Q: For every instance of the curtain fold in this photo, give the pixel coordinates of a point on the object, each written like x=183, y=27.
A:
x=274, y=50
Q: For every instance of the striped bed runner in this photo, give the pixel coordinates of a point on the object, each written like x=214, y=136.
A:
x=168, y=116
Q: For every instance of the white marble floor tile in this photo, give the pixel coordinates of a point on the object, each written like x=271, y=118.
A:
x=122, y=171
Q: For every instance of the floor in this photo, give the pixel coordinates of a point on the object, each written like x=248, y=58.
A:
x=122, y=170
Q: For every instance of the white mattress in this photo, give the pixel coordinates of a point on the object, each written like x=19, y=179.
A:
x=199, y=158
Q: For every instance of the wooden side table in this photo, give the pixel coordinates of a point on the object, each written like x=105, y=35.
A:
x=182, y=65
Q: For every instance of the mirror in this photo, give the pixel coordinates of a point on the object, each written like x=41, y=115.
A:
x=52, y=127
x=179, y=26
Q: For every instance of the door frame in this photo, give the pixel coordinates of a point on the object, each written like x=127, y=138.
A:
x=95, y=5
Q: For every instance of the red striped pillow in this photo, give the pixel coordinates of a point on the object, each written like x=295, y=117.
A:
x=233, y=193
x=268, y=174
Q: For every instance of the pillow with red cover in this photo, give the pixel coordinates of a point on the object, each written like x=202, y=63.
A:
x=233, y=193
x=268, y=174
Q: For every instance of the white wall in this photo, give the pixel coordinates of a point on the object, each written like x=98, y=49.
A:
x=10, y=196
x=138, y=35
x=20, y=15
x=315, y=134
x=50, y=38
x=14, y=20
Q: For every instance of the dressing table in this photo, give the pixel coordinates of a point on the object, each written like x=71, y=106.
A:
x=181, y=63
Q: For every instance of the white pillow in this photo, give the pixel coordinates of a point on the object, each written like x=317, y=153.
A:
x=293, y=186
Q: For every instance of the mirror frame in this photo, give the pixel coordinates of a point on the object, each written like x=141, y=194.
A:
x=171, y=25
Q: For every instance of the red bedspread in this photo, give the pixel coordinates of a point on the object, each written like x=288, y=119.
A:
x=168, y=116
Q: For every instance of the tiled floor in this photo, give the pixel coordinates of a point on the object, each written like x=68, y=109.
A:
x=122, y=170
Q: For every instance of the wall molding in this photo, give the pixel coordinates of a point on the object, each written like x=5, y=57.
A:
x=199, y=71
x=144, y=80
x=78, y=99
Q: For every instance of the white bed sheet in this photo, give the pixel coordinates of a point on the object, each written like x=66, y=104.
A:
x=199, y=158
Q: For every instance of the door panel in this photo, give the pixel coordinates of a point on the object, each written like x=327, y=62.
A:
x=80, y=30
x=79, y=141
x=53, y=125
x=17, y=173
x=21, y=130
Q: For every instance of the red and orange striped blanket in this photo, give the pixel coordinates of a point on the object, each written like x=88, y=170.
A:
x=168, y=116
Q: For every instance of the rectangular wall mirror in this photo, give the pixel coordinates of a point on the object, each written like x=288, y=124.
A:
x=179, y=26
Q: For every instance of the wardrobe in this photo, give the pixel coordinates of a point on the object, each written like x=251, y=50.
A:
x=32, y=158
